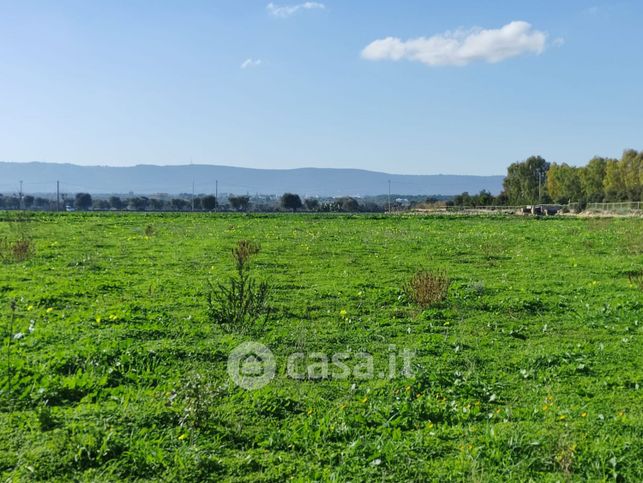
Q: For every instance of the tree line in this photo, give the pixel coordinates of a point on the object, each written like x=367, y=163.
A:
x=537, y=181
x=242, y=203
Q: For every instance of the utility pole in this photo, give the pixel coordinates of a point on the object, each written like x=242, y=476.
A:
x=540, y=175
x=389, y=195
x=57, y=195
x=192, y=169
x=192, y=194
x=216, y=195
x=20, y=194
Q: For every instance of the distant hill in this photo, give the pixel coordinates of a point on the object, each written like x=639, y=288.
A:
x=41, y=177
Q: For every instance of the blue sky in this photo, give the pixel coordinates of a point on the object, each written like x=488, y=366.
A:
x=290, y=84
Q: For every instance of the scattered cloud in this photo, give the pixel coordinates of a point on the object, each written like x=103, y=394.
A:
x=462, y=47
x=288, y=10
x=558, y=42
x=602, y=11
x=250, y=63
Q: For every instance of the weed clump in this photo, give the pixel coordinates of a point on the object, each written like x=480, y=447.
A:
x=636, y=278
x=198, y=397
x=428, y=288
x=17, y=250
x=241, y=303
x=17, y=246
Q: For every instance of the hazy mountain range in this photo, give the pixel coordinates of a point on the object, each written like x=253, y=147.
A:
x=39, y=177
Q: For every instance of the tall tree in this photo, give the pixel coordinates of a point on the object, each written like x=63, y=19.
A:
x=614, y=184
x=631, y=166
x=592, y=177
x=563, y=183
x=525, y=181
x=83, y=201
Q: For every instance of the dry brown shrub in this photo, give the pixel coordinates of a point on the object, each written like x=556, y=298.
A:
x=428, y=288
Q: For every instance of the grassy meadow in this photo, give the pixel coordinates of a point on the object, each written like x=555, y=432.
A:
x=530, y=369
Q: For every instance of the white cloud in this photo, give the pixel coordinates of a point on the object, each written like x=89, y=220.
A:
x=462, y=47
x=250, y=63
x=558, y=42
x=288, y=10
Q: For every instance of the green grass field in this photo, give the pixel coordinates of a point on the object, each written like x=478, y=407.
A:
x=531, y=369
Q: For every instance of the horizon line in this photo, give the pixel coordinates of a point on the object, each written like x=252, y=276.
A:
x=65, y=163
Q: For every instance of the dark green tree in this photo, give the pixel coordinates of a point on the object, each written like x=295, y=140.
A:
x=138, y=203
x=83, y=201
x=101, y=204
x=484, y=198
x=209, y=202
x=348, y=204
x=116, y=202
x=291, y=201
x=239, y=203
x=312, y=204
x=463, y=199
x=42, y=203
x=178, y=204
x=157, y=204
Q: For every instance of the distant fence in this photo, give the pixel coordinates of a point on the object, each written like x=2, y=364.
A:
x=469, y=209
x=622, y=207
x=491, y=208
